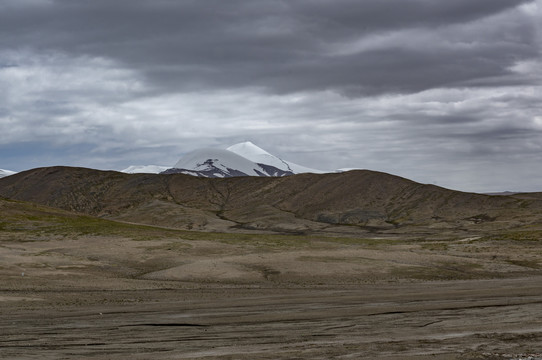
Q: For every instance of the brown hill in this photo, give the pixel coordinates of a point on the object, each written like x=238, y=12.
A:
x=20, y=215
x=354, y=201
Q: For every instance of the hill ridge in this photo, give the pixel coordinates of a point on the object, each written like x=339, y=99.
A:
x=355, y=201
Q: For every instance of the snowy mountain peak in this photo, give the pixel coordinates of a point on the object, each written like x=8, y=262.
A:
x=255, y=153
x=242, y=159
x=207, y=159
x=247, y=149
x=258, y=155
x=222, y=163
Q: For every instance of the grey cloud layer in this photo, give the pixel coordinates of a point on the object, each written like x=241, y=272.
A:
x=286, y=46
x=445, y=91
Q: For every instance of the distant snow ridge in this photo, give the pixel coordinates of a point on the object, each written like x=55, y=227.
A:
x=4, y=173
x=145, y=169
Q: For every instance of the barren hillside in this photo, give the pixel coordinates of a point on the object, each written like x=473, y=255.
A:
x=354, y=201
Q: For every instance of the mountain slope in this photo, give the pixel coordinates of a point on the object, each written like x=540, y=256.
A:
x=363, y=200
x=258, y=155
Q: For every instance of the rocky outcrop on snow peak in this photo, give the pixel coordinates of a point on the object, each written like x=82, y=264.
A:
x=215, y=163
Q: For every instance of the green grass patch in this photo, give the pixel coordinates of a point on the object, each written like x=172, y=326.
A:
x=25, y=225
x=31, y=222
x=517, y=236
x=37, y=226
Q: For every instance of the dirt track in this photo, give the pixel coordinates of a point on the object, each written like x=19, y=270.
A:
x=433, y=320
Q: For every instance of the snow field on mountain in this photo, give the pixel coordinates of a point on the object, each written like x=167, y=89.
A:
x=145, y=169
x=4, y=173
x=204, y=159
x=242, y=157
x=254, y=153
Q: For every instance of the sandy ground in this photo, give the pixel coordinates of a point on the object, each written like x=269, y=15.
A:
x=451, y=320
x=99, y=297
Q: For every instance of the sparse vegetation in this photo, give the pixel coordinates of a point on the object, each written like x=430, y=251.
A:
x=434, y=245
x=517, y=236
x=299, y=287
x=531, y=264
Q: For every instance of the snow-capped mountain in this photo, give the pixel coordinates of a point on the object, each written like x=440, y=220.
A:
x=258, y=155
x=243, y=159
x=222, y=163
x=145, y=169
x=4, y=173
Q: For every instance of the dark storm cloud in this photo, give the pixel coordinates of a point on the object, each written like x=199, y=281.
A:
x=284, y=46
x=445, y=91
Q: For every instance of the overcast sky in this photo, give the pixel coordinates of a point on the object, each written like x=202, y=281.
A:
x=442, y=92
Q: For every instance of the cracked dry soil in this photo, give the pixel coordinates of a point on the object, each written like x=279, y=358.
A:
x=451, y=320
